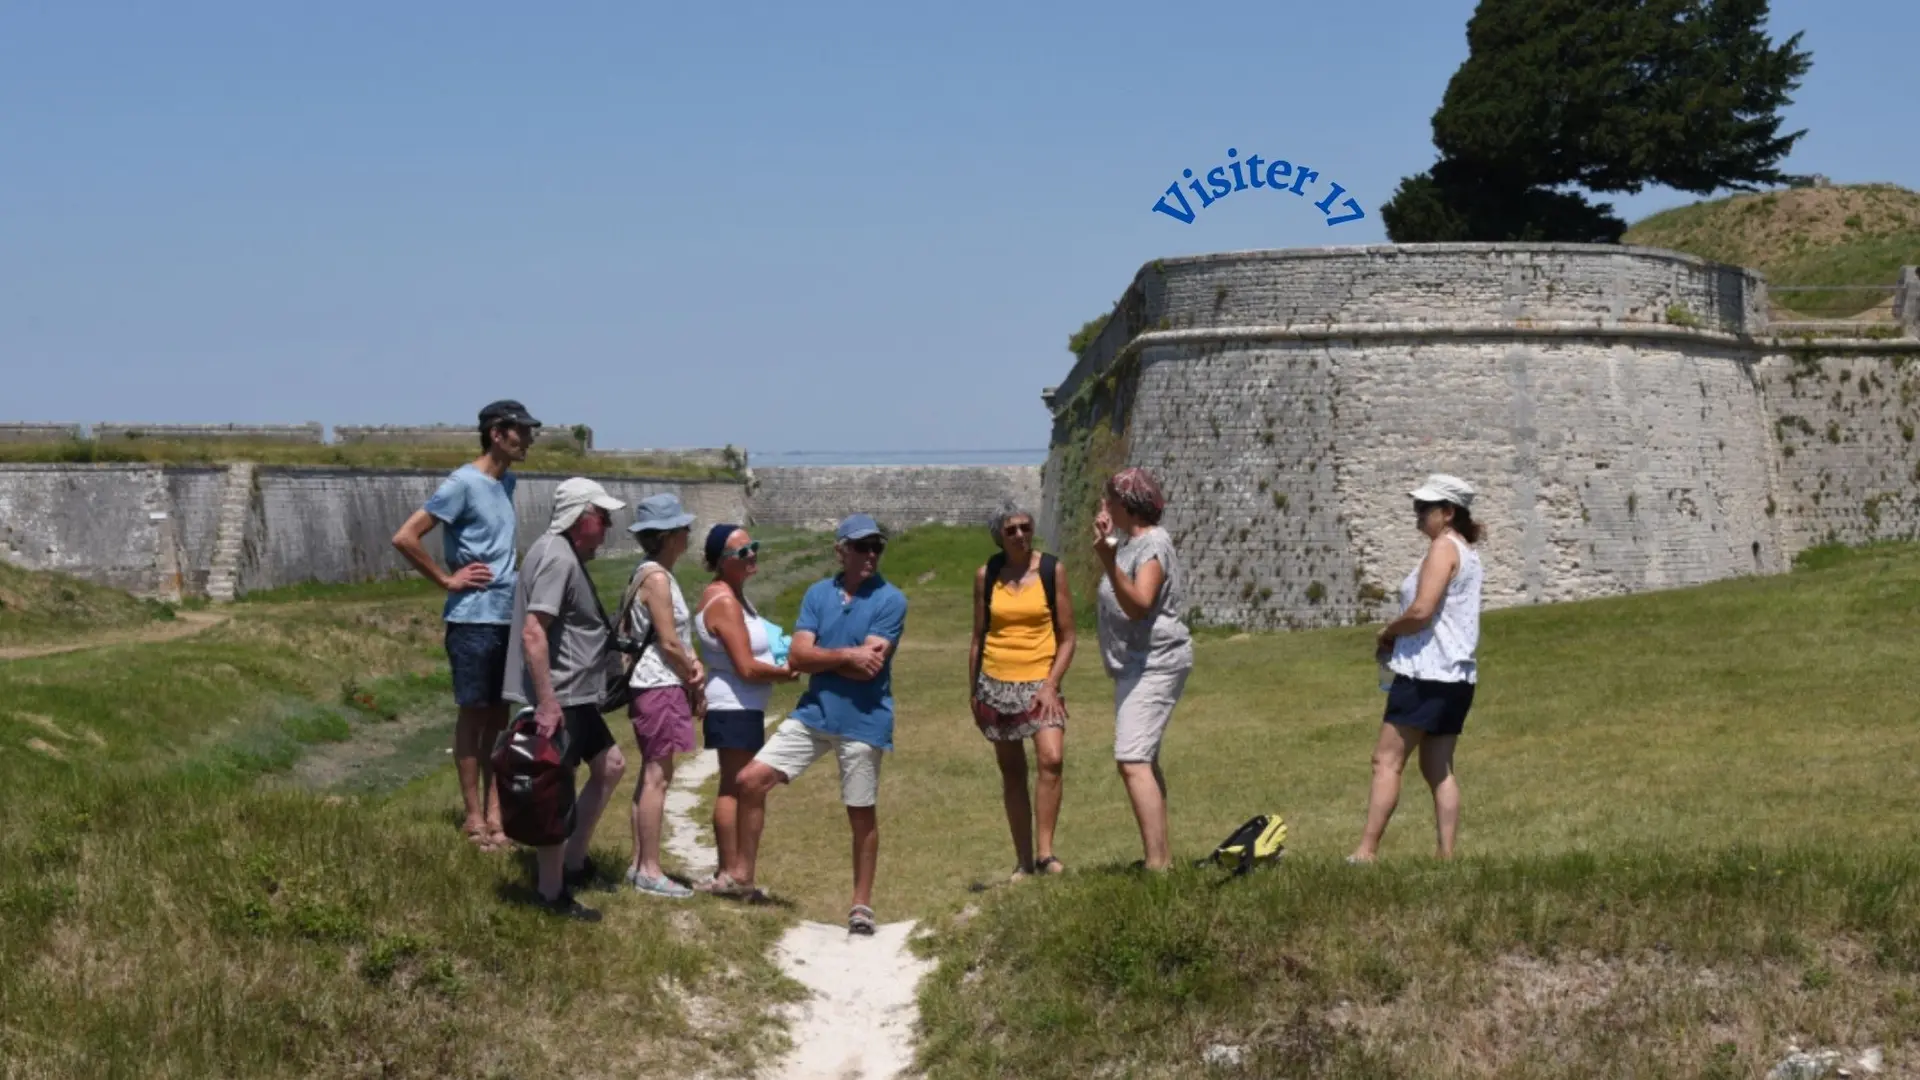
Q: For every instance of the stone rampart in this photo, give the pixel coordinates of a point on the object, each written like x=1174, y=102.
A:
x=1626, y=419
x=34, y=432
x=153, y=529
x=818, y=496
x=283, y=433
x=577, y=436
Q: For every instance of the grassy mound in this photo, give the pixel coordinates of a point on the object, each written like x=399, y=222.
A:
x=165, y=912
x=1850, y=235
x=356, y=455
x=44, y=607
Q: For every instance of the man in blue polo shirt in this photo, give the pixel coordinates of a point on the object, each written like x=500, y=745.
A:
x=848, y=628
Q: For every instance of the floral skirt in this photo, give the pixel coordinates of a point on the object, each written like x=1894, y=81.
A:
x=1008, y=711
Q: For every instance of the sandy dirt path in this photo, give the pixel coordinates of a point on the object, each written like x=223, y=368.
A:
x=857, y=1023
x=183, y=624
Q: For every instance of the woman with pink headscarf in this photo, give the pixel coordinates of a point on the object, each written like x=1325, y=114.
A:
x=1146, y=649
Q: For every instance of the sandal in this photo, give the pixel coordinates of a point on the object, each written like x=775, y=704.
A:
x=860, y=920
x=717, y=885
x=1049, y=865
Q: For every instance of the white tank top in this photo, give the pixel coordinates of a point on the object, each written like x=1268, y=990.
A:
x=725, y=688
x=1444, y=651
x=653, y=671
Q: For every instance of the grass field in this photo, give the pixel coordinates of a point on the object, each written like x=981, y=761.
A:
x=1716, y=780
x=1687, y=840
x=173, y=905
x=542, y=459
x=37, y=607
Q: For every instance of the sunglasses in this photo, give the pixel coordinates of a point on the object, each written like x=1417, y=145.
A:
x=869, y=547
x=743, y=552
x=1018, y=530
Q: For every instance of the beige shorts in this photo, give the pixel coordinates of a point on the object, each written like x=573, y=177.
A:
x=794, y=747
x=1143, y=702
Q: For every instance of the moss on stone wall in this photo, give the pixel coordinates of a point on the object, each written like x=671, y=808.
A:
x=1091, y=437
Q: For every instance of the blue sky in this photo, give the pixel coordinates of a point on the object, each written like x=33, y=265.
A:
x=828, y=227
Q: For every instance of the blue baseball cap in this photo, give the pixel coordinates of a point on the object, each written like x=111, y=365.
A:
x=857, y=526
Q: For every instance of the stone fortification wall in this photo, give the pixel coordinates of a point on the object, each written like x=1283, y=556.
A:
x=578, y=436
x=154, y=530
x=1621, y=411
x=818, y=496
x=36, y=432
x=711, y=457
x=337, y=525
x=287, y=433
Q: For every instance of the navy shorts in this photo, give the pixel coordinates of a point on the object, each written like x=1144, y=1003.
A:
x=735, y=729
x=477, y=653
x=1437, y=708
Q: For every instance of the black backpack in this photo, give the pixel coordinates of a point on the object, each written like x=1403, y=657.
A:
x=998, y=563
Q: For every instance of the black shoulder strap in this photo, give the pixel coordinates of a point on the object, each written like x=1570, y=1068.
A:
x=1047, y=565
x=994, y=566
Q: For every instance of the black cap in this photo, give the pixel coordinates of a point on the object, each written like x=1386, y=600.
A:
x=506, y=412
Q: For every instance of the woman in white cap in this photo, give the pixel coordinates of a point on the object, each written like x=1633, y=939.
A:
x=667, y=682
x=1429, y=648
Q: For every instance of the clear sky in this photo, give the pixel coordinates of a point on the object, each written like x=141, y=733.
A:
x=792, y=227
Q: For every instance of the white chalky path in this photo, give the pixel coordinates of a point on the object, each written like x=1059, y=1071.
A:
x=857, y=1023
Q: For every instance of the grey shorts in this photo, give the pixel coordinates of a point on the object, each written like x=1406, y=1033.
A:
x=795, y=746
x=1143, y=702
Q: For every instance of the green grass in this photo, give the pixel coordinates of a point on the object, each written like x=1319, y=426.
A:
x=1637, y=746
x=171, y=907
x=551, y=459
x=1844, y=235
x=40, y=608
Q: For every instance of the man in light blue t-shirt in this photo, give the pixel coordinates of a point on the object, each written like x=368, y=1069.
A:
x=849, y=626
x=474, y=507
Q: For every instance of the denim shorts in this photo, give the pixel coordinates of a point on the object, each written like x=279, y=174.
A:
x=477, y=653
x=1437, y=708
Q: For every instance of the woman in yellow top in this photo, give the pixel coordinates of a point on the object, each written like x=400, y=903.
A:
x=1022, y=644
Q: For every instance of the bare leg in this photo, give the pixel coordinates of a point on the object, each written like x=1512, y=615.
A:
x=1146, y=789
x=604, y=774
x=756, y=780
x=1390, y=755
x=470, y=747
x=1049, y=752
x=726, y=813
x=1012, y=757
x=866, y=851
x=496, y=722
x=1436, y=764
x=549, y=861
x=649, y=808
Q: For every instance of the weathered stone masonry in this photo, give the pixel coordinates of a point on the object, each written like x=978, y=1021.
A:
x=1624, y=416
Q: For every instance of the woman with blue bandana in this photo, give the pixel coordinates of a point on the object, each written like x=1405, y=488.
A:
x=741, y=669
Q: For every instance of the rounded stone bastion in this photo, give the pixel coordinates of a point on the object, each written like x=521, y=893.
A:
x=1603, y=400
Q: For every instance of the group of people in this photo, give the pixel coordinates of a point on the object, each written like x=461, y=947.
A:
x=532, y=633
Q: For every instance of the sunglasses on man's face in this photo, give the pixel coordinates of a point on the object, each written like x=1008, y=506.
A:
x=745, y=551
x=869, y=547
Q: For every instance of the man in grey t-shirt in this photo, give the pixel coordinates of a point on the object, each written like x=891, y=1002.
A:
x=556, y=662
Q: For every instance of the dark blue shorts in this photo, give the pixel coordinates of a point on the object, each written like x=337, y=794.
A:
x=477, y=653
x=1437, y=708
x=734, y=729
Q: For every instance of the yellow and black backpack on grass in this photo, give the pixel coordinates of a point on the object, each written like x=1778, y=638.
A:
x=1262, y=839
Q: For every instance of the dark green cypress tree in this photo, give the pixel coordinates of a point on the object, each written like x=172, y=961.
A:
x=1606, y=95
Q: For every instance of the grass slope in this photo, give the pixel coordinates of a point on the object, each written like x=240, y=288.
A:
x=1629, y=759
x=357, y=455
x=165, y=913
x=1849, y=235
x=38, y=607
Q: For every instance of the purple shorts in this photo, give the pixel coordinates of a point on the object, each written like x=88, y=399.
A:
x=662, y=722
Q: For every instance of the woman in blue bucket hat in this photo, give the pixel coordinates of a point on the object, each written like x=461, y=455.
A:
x=667, y=682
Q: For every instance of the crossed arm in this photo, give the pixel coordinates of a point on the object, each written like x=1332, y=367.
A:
x=860, y=662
